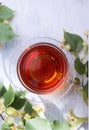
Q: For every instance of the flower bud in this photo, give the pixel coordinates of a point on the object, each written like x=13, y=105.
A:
x=27, y=116
x=84, y=43
x=11, y=111
x=67, y=47
x=37, y=108
x=9, y=120
x=5, y=21
x=86, y=33
x=62, y=41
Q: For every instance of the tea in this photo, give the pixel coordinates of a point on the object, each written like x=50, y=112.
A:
x=42, y=68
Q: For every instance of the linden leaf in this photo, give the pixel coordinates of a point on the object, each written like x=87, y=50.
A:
x=5, y=126
x=18, y=103
x=19, y=100
x=85, y=88
x=75, y=41
x=84, y=95
x=2, y=90
x=79, y=66
x=9, y=97
x=28, y=108
x=5, y=13
x=86, y=68
x=6, y=32
x=37, y=124
x=56, y=125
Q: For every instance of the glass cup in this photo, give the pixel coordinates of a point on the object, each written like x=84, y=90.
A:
x=41, y=67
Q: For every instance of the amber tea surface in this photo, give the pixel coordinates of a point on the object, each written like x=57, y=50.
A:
x=42, y=68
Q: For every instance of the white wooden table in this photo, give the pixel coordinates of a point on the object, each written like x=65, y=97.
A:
x=48, y=18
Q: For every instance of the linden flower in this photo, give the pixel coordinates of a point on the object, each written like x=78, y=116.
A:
x=37, y=108
x=11, y=111
x=13, y=128
x=67, y=47
x=27, y=116
x=20, y=124
x=1, y=101
x=84, y=43
x=6, y=21
x=2, y=108
x=20, y=113
x=75, y=121
x=71, y=120
x=9, y=120
x=62, y=41
x=86, y=33
x=34, y=114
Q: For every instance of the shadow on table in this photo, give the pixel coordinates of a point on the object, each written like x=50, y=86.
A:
x=52, y=112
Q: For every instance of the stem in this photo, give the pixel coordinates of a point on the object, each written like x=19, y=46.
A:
x=1, y=117
x=79, y=122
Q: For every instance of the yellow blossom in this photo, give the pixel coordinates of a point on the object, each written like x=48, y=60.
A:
x=6, y=21
x=86, y=33
x=84, y=43
x=1, y=101
x=2, y=108
x=20, y=113
x=34, y=114
x=67, y=47
x=37, y=108
x=13, y=128
x=20, y=124
x=74, y=121
x=71, y=120
x=27, y=116
x=62, y=41
x=11, y=111
x=9, y=120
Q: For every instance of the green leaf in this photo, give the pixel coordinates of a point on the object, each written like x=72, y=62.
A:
x=75, y=41
x=56, y=125
x=84, y=96
x=19, y=94
x=79, y=66
x=85, y=88
x=85, y=50
x=5, y=126
x=6, y=32
x=19, y=100
x=2, y=90
x=37, y=124
x=9, y=96
x=86, y=68
x=5, y=13
x=28, y=108
x=18, y=103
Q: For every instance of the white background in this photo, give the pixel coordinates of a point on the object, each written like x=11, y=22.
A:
x=34, y=18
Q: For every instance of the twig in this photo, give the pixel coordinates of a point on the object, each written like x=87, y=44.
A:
x=1, y=117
